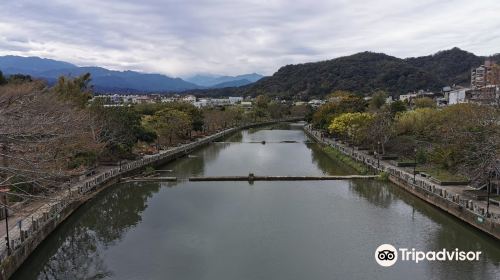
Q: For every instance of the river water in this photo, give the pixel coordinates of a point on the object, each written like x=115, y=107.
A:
x=265, y=230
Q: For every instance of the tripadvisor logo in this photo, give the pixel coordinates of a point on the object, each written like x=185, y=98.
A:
x=386, y=255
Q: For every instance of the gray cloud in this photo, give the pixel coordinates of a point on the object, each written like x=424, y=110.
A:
x=183, y=37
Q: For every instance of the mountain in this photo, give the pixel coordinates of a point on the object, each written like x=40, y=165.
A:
x=25, y=65
x=234, y=83
x=450, y=66
x=103, y=80
x=362, y=73
x=214, y=80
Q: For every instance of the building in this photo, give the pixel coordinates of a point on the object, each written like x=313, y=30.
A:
x=457, y=96
x=478, y=77
x=246, y=104
x=485, y=84
x=189, y=98
x=235, y=99
x=315, y=103
x=407, y=97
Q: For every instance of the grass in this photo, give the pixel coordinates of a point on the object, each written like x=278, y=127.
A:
x=335, y=154
x=384, y=176
x=443, y=174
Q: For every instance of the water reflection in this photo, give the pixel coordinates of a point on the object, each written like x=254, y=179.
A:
x=268, y=230
x=329, y=165
x=74, y=250
x=427, y=228
x=374, y=192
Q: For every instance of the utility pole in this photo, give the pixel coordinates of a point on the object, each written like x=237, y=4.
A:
x=488, y=195
x=6, y=211
x=378, y=154
x=415, y=166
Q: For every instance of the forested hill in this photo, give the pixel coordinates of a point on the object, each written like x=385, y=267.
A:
x=365, y=73
x=450, y=66
x=361, y=73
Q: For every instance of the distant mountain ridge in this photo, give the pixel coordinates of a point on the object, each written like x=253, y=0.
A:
x=363, y=73
x=105, y=80
x=233, y=83
x=224, y=81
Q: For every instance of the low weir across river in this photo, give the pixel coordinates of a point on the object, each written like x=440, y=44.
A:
x=273, y=229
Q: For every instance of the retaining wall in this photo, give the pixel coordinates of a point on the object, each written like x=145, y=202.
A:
x=465, y=209
x=37, y=226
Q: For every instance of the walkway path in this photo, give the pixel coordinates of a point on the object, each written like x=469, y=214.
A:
x=453, y=193
x=36, y=216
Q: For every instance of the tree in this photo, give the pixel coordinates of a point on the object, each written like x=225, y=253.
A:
x=352, y=125
x=170, y=123
x=479, y=134
x=3, y=81
x=194, y=113
x=422, y=123
x=277, y=110
x=262, y=101
x=40, y=136
x=378, y=100
x=120, y=129
x=76, y=90
x=235, y=115
x=301, y=111
x=380, y=129
x=424, y=102
x=338, y=102
x=397, y=107
x=19, y=78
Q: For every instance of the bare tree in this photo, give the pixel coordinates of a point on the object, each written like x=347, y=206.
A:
x=482, y=144
x=39, y=134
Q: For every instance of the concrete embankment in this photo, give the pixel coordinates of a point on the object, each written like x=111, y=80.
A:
x=38, y=225
x=466, y=209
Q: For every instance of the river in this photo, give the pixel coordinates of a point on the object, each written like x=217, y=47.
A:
x=264, y=230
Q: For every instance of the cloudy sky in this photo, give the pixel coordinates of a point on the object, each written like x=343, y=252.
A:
x=184, y=37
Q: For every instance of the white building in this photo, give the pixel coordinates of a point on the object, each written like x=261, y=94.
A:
x=246, y=104
x=235, y=99
x=457, y=96
x=407, y=97
x=315, y=103
x=189, y=98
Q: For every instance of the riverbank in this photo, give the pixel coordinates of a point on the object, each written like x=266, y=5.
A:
x=448, y=198
x=335, y=154
x=35, y=227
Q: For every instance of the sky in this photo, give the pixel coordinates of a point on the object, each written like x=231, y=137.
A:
x=181, y=38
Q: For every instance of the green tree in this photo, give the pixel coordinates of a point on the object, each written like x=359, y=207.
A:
x=378, y=100
x=397, y=107
x=19, y=78
x=76, y=90
x=120, y=128
x=424, y=102
x=352, y=125
x=338, y=102
x=170, y=123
